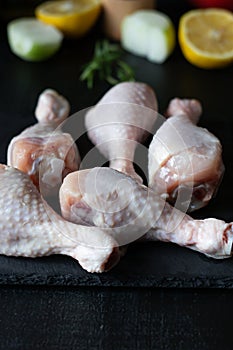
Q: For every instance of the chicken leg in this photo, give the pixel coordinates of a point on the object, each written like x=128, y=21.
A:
x=107, y=198
x=43, y=151
x=30, y=228
x=185, y=161
x=121, y=120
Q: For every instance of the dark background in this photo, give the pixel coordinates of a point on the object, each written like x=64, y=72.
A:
x=44, y=305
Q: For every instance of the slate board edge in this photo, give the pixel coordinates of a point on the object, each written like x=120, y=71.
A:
x=102, y=281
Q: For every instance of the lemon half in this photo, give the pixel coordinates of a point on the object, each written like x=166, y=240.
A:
x=206, y=37
x=74, y=18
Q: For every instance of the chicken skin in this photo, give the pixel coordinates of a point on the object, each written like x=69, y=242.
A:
x=185, y=161
x=44, y=151
x=30, y=228
x=120, y=121
x=107, y=198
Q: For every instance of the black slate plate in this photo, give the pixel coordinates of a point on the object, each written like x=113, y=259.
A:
x=149, y=264
x=146, y=265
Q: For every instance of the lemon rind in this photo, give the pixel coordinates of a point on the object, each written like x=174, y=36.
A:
x=41, y=10
x=187, y=45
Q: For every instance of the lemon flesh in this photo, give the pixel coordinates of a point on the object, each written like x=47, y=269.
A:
x=32, y=40
x=74, y=18
x=206, y=37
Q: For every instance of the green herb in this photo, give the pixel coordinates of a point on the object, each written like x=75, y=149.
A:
x=107, y=65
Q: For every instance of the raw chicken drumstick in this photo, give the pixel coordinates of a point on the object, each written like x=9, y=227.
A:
x=190, y=107
x=121, y=119
x=43, y=151
x=185, y=161
x=30, y=228
x=107, y=198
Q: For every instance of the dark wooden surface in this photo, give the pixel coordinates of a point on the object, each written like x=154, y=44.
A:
x=103, y=319
x=110, y=317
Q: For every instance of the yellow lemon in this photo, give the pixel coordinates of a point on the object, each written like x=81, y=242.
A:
x=73, y=17
x=206, y=37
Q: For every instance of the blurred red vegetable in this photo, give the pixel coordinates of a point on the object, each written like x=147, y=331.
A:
x=227, y=4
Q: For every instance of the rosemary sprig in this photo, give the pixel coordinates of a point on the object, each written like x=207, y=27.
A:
x=107, y=65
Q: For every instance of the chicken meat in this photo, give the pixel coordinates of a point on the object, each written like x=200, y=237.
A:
x=121, y=120
x=30, y=228
x=185, y=161
x=109, y=199
x=44, y=151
